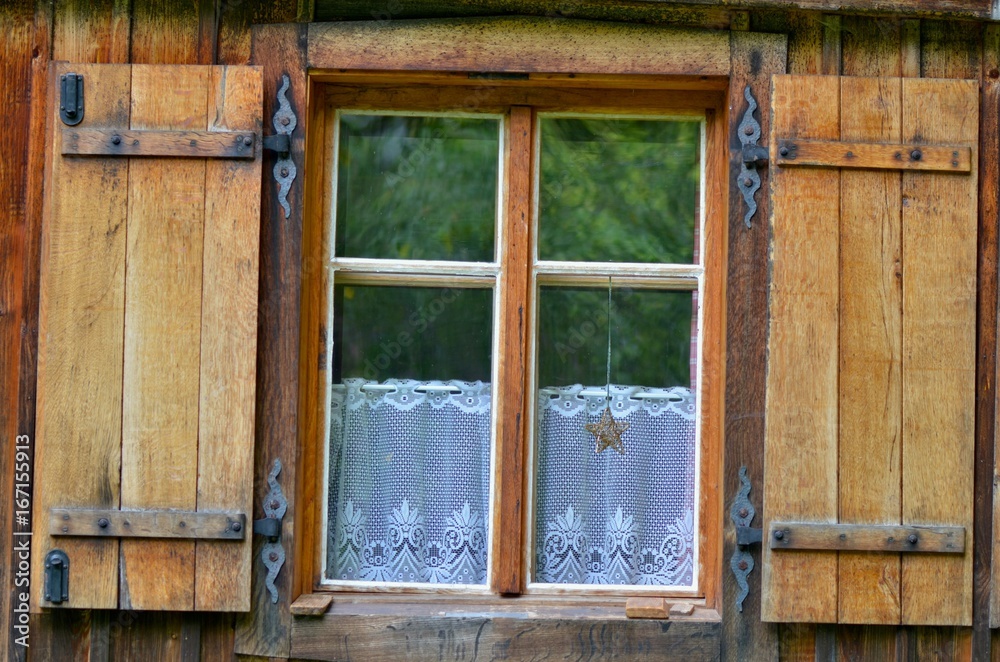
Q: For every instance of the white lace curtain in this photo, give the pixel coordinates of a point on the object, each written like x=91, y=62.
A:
x=409, y=481
x=409, y=485
x=614, y=518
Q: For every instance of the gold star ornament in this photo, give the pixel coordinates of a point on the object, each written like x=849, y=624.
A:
x=608, y=432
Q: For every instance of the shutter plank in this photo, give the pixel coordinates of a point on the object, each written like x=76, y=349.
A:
x=939, y=348
x=78, y=425
x=163, y=336
x=801, y=408
x=229, y=340
x=870, y=345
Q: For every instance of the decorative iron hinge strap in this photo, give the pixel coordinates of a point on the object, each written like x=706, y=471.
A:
x=272, y=553
x=284, y=122
x=754, y=156
x=742, y=513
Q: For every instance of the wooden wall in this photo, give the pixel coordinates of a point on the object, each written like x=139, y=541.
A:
x=207, y=31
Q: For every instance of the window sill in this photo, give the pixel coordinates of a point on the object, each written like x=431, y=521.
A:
x=384, y=627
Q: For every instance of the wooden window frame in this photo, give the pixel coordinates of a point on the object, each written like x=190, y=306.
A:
x=658, y=80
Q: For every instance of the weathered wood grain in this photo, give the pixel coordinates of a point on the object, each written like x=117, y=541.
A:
x=755, y=57
x=647, y=608
x=800, y=481
x=192, y=144
x=518, y=45
x=173, y=32
x=515, y=322
x=512, y=637
x=266, y=628
x=163, y=304
x=97, y=31
x=237, y=18
x=869, y=485
x=870, y=46
x=147, y=524
x=311, y=604
x=79, y=398
x=939, y=345
x=867, y=538
x=229, y=337
x=873, y=155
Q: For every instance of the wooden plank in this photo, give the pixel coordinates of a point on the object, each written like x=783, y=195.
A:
x=647, y=608
x=869, y=484
x=515, y=321
x=173, y=32
x=311, y=604
x=195, y=144
x=97, y=31
x=147, y=524
x=229, y=337
x=950, y=49
x=519, y=45
x=519, y=637
x=984, y=535
x=237, y=18
x=801, y=409
x=867, y=538
x=163, y=336
x=80, y=344
x=755, y=57
x=871, y=46
x=939, y=348
x=870, y=155
x=266, y=628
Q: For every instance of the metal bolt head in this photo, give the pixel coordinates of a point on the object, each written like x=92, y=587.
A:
x=285, y=121
x=783, y=151
x=748, y=130
x=284, y=173
x=743, y=512
x=779, y=535
x=248, y=141
x=742, y=565
x=747, y=182
x=116, y=140
x=275, y=504
x=103, y=522
x=273, y=556
x=916, y=155
x=912, y=539
x=236, y=526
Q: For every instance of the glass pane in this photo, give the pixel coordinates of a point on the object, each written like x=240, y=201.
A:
x=412, y=333
x=615, y=505
x=409, y=471
x=619, y=190
x=650, y=332
x=421, y=188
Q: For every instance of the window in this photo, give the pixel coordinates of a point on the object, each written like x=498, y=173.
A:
x=495, y=251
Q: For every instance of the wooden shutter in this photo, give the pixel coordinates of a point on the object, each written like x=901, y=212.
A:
x=871, y=351
x=147, y=338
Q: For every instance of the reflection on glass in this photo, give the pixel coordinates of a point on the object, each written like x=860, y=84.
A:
x=615, y=518
x=651, y=336
x=618, y=190
x=410, y=403
x=412, y=333
x=422, y=188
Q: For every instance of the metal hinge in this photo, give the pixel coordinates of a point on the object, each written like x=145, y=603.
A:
x=742, y=513
x=272, y=553
x=284, y=122
x=754, y=156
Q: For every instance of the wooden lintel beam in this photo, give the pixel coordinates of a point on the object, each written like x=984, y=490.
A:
x=867, y=538
x=190, y=144
x=87, y=522
x=883, y=156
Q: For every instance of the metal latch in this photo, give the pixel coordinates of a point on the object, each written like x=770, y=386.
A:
x=742, y=513
x=71, y=99
x=56, y=576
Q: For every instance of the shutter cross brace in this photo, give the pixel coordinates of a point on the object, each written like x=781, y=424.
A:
x=742, y=513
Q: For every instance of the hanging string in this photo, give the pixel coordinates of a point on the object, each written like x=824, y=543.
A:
x=608, y=397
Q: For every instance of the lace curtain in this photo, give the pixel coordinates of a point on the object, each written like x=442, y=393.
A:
x=614, y=518
x=409, y=481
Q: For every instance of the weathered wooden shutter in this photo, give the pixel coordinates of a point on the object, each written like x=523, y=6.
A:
x=871, y=351
x=147, y=338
